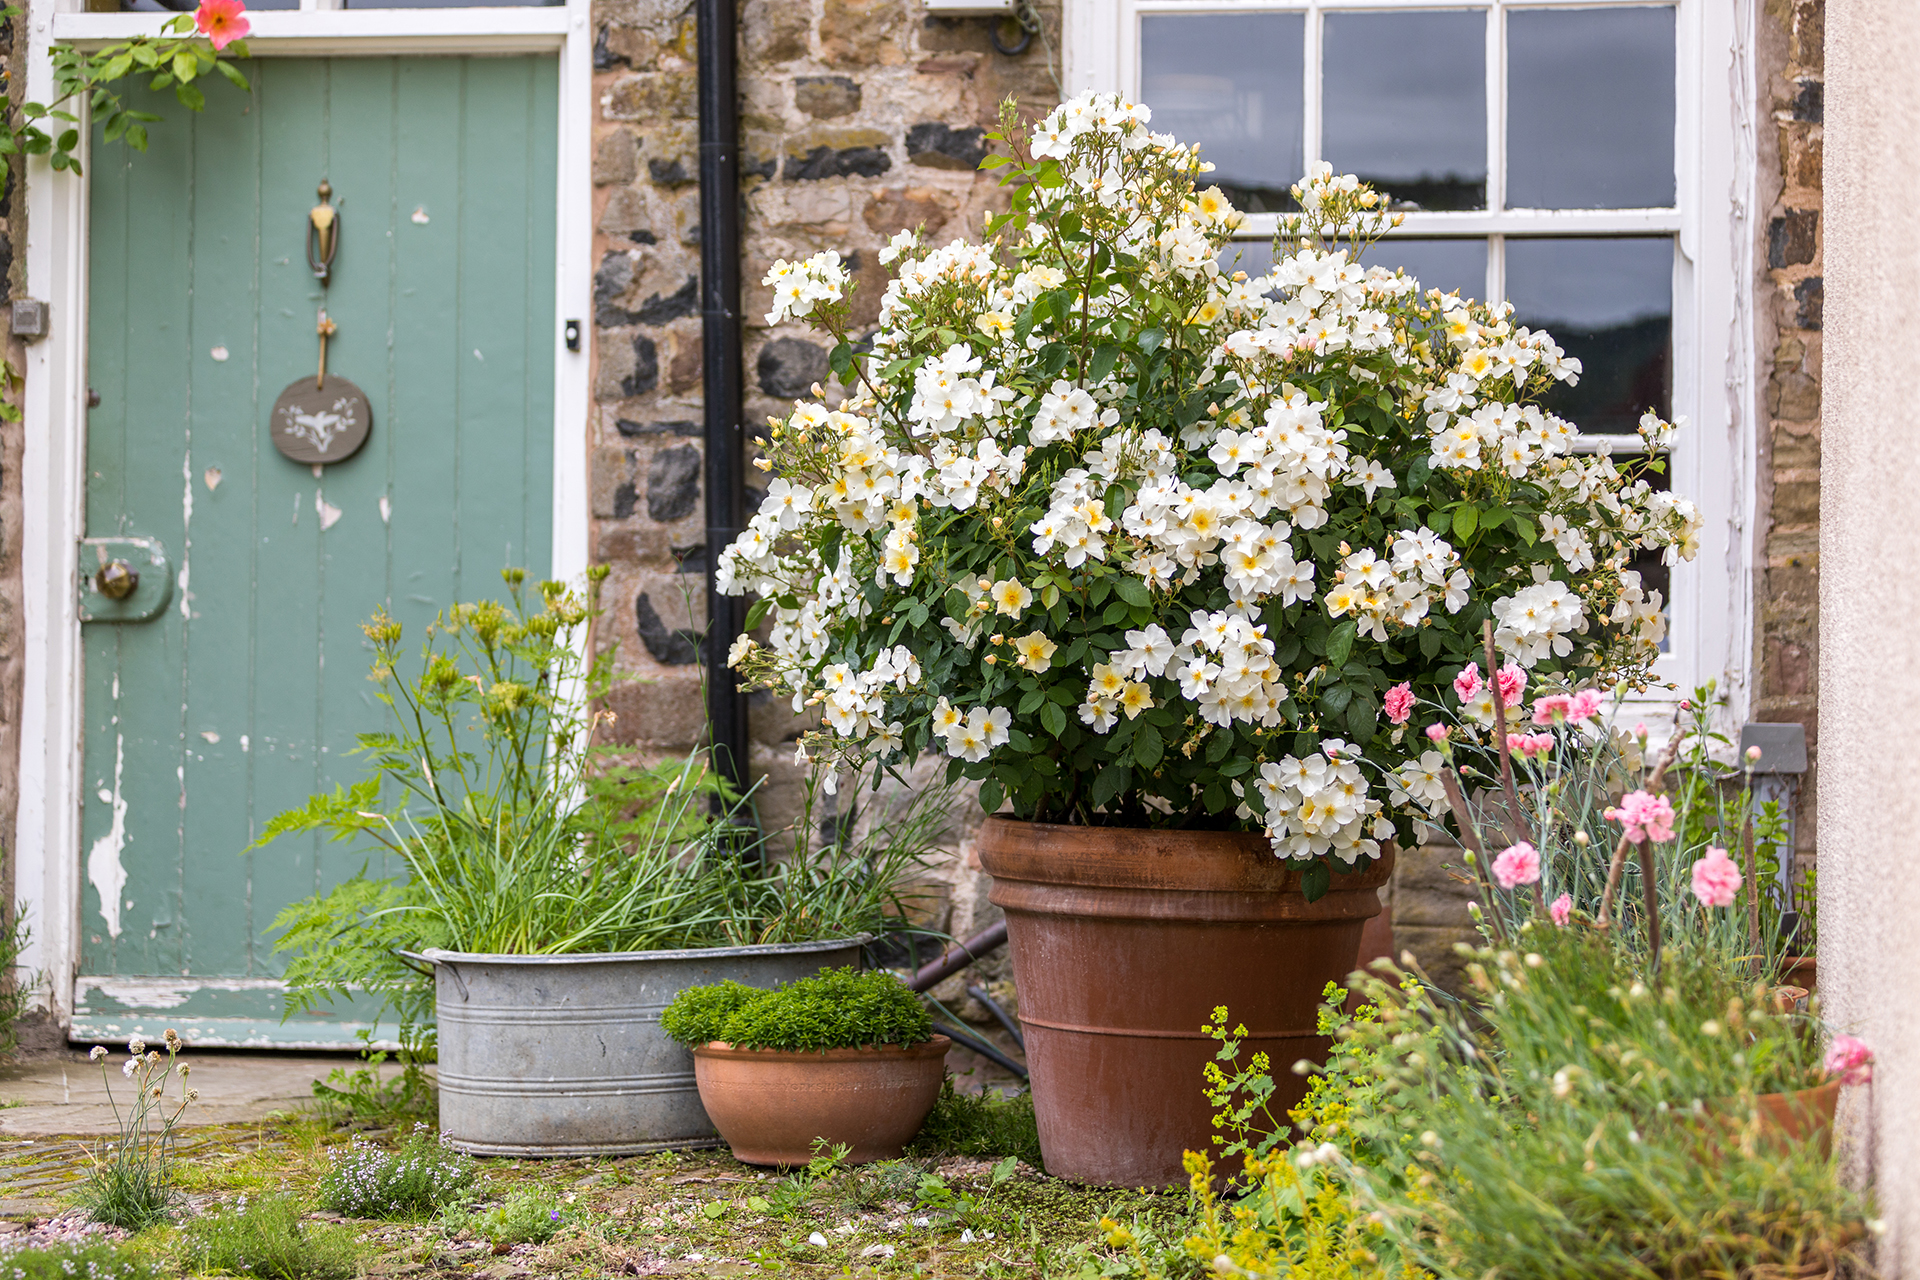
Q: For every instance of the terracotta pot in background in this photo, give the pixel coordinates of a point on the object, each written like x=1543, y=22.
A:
x=770, y=1105
x=1124, y=940
x=1800, y=971
x=1786, y=1120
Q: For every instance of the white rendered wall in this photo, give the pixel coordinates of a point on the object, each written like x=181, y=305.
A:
x=1870, y=591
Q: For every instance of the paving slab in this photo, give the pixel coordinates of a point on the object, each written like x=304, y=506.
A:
x=65, y=1094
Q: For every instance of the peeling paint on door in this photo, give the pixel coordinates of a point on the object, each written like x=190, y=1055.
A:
x=105, y=872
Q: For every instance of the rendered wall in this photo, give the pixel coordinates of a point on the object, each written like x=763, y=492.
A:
x=1869, y=593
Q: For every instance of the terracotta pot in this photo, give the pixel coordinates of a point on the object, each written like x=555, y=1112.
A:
x=1800, y=971
x=1124, y=940
x=770, y=1105
x=1786, y=1120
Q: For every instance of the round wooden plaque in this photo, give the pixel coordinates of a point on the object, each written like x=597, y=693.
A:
x=320, y=423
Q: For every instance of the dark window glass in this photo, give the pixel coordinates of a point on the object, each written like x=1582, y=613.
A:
x=1590, y=108
x=452, y=4
x=1404, y=105
x=1610, y=303
x=1231, y=83
x=185, y=6
x=1446, y=265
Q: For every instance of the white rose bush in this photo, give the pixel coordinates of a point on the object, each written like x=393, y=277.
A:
x=1133, y=538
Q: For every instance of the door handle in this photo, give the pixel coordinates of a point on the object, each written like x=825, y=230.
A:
x=124, y=579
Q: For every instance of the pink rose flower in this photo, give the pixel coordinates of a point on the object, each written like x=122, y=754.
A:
x=1517, y=865
x=1716, y=879
x=1513, y=682
x=1467, y=683
x=222, y=22
x=1436, y=732
x=1530, y=745
x=1561, y=909
x=1850, y=1059
x=1643, y=815
x=1555, y=708
x=1586, y=705
x=1399, y=703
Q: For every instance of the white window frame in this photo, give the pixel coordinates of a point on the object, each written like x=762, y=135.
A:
x=54, y=400
x=1714, y=356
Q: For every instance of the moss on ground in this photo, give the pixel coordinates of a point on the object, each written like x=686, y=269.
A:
x=697, y=1213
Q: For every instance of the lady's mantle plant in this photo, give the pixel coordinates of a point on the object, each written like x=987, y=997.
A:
x=1137, y=539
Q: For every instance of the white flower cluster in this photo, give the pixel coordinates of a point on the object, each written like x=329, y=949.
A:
x=1400, y=590
x=1320, y=805
x=854, y=702
x=972, y=734
x=799, y=286
x=1535, y=622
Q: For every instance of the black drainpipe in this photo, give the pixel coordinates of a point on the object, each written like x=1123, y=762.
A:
x=720, y=351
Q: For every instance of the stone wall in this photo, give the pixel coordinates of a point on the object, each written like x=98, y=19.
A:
x=860, y=118
x=12, y=623
x=1788, y=303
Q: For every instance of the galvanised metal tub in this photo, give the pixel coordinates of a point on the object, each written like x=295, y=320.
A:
x=564, y=1055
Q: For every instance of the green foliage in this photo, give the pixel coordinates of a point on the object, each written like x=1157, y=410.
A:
x=519, y=834
x=421, y=1178
x=175, y=59
x=1580, y=1118
x=980, y=1124
x=529, y=1215
x=835, y=1009
x=130, y=1182
x=361, y=1095
x=16, y=984
x=264, y=1236
x=75, y=1262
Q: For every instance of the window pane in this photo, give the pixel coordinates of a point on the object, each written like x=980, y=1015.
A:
x=1231, y=82
x=450, y=4
x=177, y=6
x=1590, y=108
x=1390, y=117
x=1446, y=265
x=1609, y=303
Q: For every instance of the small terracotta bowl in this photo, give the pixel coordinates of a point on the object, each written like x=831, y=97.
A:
x=770, y=1105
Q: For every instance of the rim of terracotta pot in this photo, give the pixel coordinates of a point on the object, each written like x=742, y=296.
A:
x=1155, y=858
x=936, y=1047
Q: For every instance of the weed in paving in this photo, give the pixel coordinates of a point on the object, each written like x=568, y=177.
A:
x=264, y=1236
x=423, y=1177
x=73, y=1262
x=980, y=1125
x=531, y=1215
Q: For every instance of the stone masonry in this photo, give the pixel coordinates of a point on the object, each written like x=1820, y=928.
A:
x=860, y=118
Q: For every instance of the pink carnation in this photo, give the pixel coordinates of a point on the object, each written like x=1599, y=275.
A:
x=1513, y=682
x=1399, y=703
x=1437, y=732
x=1553, y=709
x=1530, y=745
x=1643, y=815
x=1518, y=865
x=1850, y=1059
x=1715, y=878
x=1561, y=909
x=1586, y=705
x=1467, y=683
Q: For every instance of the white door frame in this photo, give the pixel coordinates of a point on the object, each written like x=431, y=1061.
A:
x=47, y=830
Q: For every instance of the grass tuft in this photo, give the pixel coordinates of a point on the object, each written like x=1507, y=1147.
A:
x=265, y=1237
x=65, y=1262
x=424, y=1176
x=980, y=1125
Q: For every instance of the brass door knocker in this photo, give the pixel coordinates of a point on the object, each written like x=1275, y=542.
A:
x=323, y=235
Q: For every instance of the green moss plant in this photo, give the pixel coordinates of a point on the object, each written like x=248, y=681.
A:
x=835, y=1009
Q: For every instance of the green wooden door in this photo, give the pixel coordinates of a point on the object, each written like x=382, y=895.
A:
x=244, y=694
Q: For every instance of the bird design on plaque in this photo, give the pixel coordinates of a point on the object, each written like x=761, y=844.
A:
x=323, y=419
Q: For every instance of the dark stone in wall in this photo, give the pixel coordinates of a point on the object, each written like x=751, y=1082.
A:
x=848, y=162
x=1790, y=239
x=684, y=301
x=673, y=484
x=938, y=146
x=670, y=647
x=624, y=499
x=605, y=59
x=6, y=267
x=691, y=559
x=613, y=278
x=646, y=368
x=788, y=367
x=669, y=173
x=825, y=97
x=677, y=427
x=1809, y=103
x=643, y=237
x=1810, y=295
